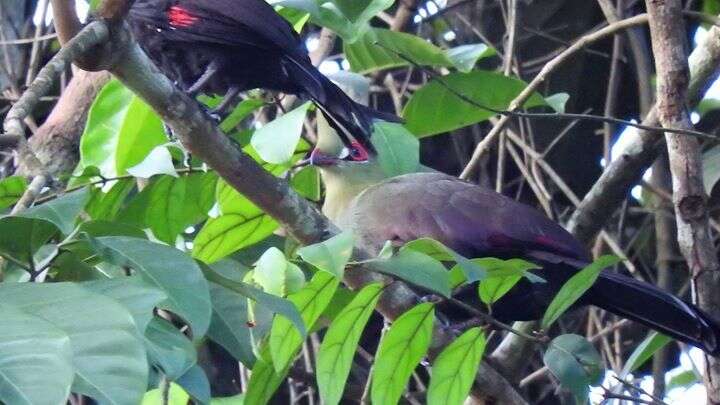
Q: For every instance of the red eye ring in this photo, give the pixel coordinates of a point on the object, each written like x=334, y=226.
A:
x=357, y=152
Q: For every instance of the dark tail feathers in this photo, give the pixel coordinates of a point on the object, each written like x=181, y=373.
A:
x=345, y=115
x=657, y=309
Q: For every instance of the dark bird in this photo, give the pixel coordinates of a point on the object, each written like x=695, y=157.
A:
x=229, y=46
x=477, y=222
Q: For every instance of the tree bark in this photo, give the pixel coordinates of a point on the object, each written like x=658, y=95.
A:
x=668, y=41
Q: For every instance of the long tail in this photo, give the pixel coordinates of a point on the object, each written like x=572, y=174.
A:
x=657, y=309
x=350, y=119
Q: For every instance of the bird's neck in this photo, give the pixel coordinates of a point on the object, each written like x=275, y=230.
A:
x=342, y=186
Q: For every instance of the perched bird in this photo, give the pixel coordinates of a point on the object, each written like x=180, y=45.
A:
x=229, y=46
x=477, y=222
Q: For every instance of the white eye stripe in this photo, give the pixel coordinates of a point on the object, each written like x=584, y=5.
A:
x=344, y=152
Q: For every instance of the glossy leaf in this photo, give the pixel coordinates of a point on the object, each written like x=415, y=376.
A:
x=158, y=161
x=240, y=225
x=331, y=255
x=166, y=268
x=105, y=205
x=473, y=272
x=398, y=150
x=382, y=49
x=453, y=371
x=644, y=351
x=575, y=362
x=28, y=344
x=168, y=348
x=11, y=189
x=437, y=108
x=108, y=357
x=62, y=211
x=276, y=275
x=276, y=141
x=307, y=183
x=574, y=288
x=21, y=237
x=416, y=268
x=400, y=351
x=337, y=350
x=285, y=339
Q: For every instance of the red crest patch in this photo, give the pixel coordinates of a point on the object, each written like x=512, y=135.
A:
x=180, y=17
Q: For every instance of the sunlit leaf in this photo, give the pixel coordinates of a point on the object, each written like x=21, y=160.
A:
x=331, y=255
x=11, y=189
x=453, y=371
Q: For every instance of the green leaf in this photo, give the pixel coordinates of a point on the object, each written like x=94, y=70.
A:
x=176, y=396
x=229, y=324
x=276, y=141
x=196, y=383
x=108, y=357
x=11, y=189
x=263, y=381
x=307, y=183
x=233, y=400
x=453, y=371
x=62, y=211
x=169, y=349
x=120, y=132
x=575, y=362
x=242, y=111
x=435, y=109
x=21, y=238
x=711, y=168
x=241, y=224
x=167, y=268
x=683, y=379
x=472, y=271
x=502, y=277
x=416, y=268
x=398, y=150
x=158, y=161
x=557, y=102
x=644, y=351
x=400, y=351
x=276, y=275
x=331, y=255
x=35, y=360
x=275, y=304
x=340, y=342
x=382, y=49
x=285, y=339
x=348, y=18
x=105, y=206
x=169, y=205
x=575, y=287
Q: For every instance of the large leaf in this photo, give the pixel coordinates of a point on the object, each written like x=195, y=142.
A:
x=196, y=383
x=400, y=351
x=349, y=18
x=575, y=362
x=285, y=339
x=21, y=237
x=229, y=325
x=338, y=347
x=276, y=141
x=574, y=288
x=331, y=255
x=382, y=49
x=398, y=150
x=644, y=351
x=416, y=268
x=264, y=381
x=121, y=131
x=437, y=108
x=105, y=205
x=167, y=268
x=240, y=224
x=62, y=211
x=172, y=351
x=11, y=189
x=35, y=360
x=453, y=371
x=276, y=275
x=472, y=271
x=169, y=205
x=108, y=357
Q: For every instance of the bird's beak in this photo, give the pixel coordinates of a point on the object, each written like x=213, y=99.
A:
x=318, y=158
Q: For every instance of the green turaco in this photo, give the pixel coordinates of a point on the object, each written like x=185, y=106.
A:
x=367, y=192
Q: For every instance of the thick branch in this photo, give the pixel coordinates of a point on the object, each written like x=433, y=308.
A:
x=691, y=213
x=625, y=170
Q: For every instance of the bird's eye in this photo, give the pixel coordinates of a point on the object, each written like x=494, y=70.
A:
x=357, y=152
